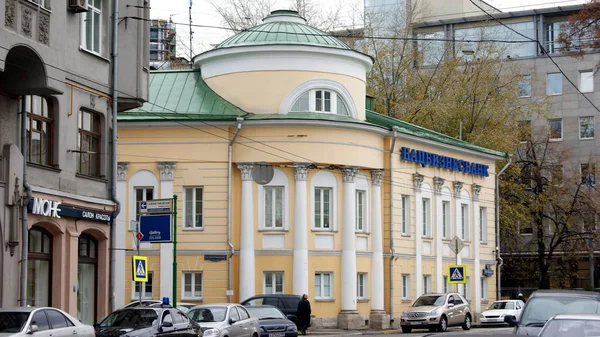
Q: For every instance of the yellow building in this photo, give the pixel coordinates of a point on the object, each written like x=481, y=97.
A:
x=361, y=207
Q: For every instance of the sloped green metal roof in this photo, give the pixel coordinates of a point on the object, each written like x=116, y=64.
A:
x=181, y=94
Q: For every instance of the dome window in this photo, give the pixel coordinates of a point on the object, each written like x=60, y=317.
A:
x=322, y=101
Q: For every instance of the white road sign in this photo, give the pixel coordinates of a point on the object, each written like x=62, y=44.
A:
x=456, y=245
x=156, y=206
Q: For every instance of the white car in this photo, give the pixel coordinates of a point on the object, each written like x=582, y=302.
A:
x=42, y=322
x=220, y=320
x=498, y=310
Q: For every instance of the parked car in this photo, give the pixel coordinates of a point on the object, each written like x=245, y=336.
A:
x=569, y=325
x=219, y=320
x=544, y=304
x=288, y=304
x=498, y=310
x=437, y=312
x=147, y=322
x=184, y=307
x=43, y=321
x=273, y=322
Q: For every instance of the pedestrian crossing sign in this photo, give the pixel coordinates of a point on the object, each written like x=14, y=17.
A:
x=140, y=268
x=457, y=274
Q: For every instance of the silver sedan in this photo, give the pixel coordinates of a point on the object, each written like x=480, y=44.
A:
x=43, y=322
x=219, y=320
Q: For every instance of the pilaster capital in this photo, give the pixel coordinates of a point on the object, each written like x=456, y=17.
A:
x=167, y=170
x=418, y=181
x=377, y=177
x=438, y=183
x=476, y=190
x=122, y=170
x=246, y=169
x=301, y=171
x=348, y=173
x=458, y=185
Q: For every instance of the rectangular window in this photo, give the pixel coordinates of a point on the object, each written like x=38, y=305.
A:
x=555, y=129
x=323, y=285
x=426, y=217
x=525, y=229
x=467, y=288
x=588, y=174
x=427, y=284
x=483, y=224
x=553, y=84
x=361, y=208
x=323, y=202
x=274, y=206
x=586, y=81
x=484, y=288
x=145, y=286
x=405, y=286
x=142, y=194
x=273, y=282
x=405, y=215
x=192, y=284
x=586, y=127
x=464, y=221
x=446, y=220
x=445, y=283
x=361, y=286
x=194, y=209
x=88, y=144
x=323, y=101
x=525, y=131
x=92, y=26
x=525, y=86
x=39, y=129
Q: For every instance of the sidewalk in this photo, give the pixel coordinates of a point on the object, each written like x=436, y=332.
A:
x=330, y=332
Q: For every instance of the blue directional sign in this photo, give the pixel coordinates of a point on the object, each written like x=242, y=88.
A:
x=140, y=268
x=156, y=228
x=457, y=274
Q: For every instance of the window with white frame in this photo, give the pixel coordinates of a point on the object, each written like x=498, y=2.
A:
x=321, y=100
x=464, y=221
x=467, y=288
x=322, y=202
x=92, y=27
x=361, y=286
x=427, y=284
x=142, y=194
x=192, y=284
x=555, y=129
x=554, y=84
x=405, y=215
x=361, y=210
x=146, y=287
x=483, y=224
x=426, y=217
x=586, y=127
x=586, y=81
x=446, y=220
x=194, y=210
x=588, y=174
x=273, y=282
x=405, y=286
x=484, y=288
x=445, y=285
x=274, y=201
x=323, y=283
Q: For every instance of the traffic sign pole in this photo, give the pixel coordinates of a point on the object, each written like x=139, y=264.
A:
x=174, y=251
x=139, y=236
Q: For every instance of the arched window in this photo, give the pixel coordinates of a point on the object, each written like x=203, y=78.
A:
x=39, y=268
x=39, y=129
x=321, y=100
x=87, y=271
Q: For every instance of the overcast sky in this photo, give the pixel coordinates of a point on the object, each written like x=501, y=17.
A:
x=204, y=14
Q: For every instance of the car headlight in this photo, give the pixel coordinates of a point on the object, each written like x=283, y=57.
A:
x=291, y=328
x=263, y=329
x=403, y=313
x=211, y=332
x=433, y=313
x=481, y=316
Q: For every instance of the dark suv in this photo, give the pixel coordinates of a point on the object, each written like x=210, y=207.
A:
x=544, y=304
x=288, y=304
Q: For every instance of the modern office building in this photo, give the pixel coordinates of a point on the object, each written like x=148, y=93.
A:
x=163, y=45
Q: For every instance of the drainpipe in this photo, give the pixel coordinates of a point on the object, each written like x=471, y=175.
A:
x=391, y=211
x=240, y=120
x=113, y=155
x=500, y=262
x=24, y=228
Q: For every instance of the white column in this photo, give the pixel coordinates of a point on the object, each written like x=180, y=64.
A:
x=439, y=183
x=300, y=266
x=476, y=241
x=247, y=270
x=418, y=181
x=349, y=241
x=457, y=185
x=166, y=170
x=377, y=285
x=121, y=228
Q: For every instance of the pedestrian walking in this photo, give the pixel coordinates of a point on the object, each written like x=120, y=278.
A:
x=303, y=314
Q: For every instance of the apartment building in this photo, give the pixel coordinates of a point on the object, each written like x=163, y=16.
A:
x=163, y=45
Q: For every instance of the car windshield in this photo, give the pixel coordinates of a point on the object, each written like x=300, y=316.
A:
x=12, y=321
x=540, y=309
x=130, y=318
x=502, y=306
x=266, y=312
x=571, y=327
x=426, y=301
x=208, y=314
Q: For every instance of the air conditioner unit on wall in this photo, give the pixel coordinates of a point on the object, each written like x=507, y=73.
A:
x=78, y=6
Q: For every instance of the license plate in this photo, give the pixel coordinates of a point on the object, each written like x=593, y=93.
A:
x=280, y=334
x=415, y=323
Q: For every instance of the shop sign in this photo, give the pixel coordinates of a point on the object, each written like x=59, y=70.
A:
x=431, y=159
x=46, y=207
x=55, y=209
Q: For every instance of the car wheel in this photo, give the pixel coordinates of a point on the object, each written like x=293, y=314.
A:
x=467, y=324
x=443, y=324
x=406, y=329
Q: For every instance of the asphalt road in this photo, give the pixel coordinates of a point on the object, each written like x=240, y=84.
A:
x=452, y=332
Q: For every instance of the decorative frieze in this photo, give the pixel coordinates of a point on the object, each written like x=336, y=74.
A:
x=44, y=28
x=377, y=177
x=301, y=171
x=438, y=183
x=348, y=173
x=476, y=190
x=246, y=169
x=122, y=170
x=418, y=181
x=167, y=170
x=458, y=185
x=26, y=21
x=10, y=13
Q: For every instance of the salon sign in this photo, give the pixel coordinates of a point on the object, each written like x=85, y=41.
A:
x=46, y=207
x=55, y=209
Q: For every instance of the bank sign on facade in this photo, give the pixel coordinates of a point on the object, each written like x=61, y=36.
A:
x=431, y=159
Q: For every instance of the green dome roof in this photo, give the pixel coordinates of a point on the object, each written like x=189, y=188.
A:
x=283, y=27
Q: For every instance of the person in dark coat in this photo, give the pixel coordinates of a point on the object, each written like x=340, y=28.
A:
x=521, y=297
x=303, y=314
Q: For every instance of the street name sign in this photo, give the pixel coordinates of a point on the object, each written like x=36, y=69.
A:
x=158, y=206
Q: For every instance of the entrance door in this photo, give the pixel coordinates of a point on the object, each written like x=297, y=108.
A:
x=39, y=267
x=87, y=271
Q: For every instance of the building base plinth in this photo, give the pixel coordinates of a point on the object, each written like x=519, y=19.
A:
x=350, y=320
x=379, y=320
